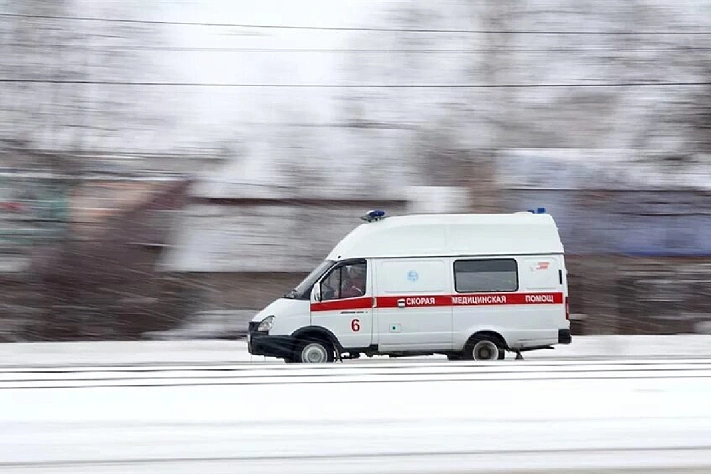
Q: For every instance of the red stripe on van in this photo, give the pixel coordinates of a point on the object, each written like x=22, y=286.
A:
x=479, y=299
x=364, y=302
x=507, y=298
x=424, y=301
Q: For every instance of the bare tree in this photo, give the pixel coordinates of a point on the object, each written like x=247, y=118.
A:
x=701, y=119
x=425, y=127
x=56, y=69
x=541, y=116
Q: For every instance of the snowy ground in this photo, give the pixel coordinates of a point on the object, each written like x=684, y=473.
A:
x=563, y=421
x=417, y=416
x=220, y=351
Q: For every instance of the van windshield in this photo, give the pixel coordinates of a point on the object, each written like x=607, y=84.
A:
x=303, y=289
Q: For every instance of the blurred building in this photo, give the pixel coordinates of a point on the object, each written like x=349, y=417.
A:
x=80, y=247
x=242, y=246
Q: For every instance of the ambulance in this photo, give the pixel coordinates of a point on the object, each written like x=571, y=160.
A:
x=468, y=286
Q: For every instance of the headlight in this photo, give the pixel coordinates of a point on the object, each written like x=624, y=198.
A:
x=266, y=324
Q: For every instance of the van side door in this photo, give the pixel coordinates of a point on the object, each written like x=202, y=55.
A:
x=486, y=297
x=519, y=297
x=345, y=306
x=413, y=304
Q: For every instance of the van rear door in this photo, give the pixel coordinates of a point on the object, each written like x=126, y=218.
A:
x=543, y=279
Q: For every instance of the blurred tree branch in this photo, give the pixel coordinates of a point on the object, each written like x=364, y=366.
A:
x=71, y=117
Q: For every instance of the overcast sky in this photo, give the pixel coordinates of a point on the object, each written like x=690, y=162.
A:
x=216, y=110
x=212, y=115
x=259, y=116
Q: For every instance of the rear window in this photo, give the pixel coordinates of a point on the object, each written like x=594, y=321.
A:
x=483, y=276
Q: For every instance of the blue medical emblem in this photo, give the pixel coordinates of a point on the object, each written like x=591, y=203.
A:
x=412, y=275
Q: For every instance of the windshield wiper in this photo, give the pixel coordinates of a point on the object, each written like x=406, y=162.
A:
x=291, y=294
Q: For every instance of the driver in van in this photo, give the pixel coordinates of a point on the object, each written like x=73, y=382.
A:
x=354, y=282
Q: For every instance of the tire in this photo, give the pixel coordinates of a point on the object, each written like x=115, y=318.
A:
x=483, y=348
x=314, y=352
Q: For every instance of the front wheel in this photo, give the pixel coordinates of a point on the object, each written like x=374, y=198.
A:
x=314, y=352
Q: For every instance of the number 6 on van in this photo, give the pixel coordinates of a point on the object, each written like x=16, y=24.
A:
x=355, y=325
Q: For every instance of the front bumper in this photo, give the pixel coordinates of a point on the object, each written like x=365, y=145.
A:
x=263, y=344
x=564, y=336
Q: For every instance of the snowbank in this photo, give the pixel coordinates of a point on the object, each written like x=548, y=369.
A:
x=220, y=351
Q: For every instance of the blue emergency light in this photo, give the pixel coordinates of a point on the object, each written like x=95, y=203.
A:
x=374, y=215
x=540, y=210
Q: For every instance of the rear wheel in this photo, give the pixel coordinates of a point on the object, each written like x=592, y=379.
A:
x=481, y=347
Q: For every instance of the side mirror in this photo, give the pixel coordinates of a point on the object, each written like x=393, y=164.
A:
x=316, y=293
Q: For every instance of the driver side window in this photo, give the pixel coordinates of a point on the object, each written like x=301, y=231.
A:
x=345, y=281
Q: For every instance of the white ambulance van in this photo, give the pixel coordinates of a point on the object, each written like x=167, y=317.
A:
x=468, y=286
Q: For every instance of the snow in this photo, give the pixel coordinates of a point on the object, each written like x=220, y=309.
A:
x=226, y=375
x=388, y=426
x=221, y=351
x=556, y=412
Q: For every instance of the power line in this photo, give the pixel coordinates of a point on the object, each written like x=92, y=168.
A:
x=360, y=86
x=346, y=28
x=383, y=51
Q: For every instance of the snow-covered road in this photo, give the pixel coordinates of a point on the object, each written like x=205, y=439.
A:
x=602, y=403
x=355, y=373
x=361, y=418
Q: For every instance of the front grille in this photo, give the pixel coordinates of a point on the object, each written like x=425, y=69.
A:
x=253, y=325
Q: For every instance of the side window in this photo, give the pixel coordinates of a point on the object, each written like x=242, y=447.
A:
x=345, y=281
x=473, y=276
